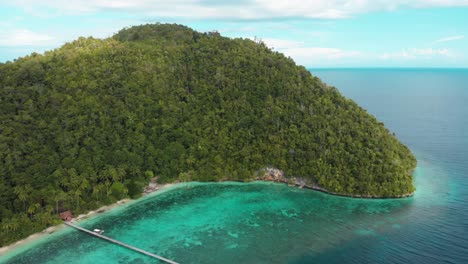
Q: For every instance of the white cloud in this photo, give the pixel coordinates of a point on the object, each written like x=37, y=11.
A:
x=310, y=55
x=24, y=37
x=326, y=57
x=238, y=29
x=409, y=54
x=452, y=38
x=305, y=54
x=245, y=9
x=319, y=54
x=280, y=44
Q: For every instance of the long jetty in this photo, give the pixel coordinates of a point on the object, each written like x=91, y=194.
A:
x=121, y=243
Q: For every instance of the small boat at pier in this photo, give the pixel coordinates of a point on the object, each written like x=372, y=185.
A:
x=99, y=231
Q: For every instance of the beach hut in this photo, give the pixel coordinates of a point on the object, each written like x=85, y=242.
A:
x=66, y=216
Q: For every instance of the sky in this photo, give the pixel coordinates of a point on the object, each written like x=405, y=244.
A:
x=315, y=33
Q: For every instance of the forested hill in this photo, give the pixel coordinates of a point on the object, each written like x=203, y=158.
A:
x=92, y=121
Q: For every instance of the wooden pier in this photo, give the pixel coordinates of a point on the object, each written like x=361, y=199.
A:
x=120, y=243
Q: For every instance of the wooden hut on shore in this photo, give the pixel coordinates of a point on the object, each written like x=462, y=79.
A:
x=66, y=216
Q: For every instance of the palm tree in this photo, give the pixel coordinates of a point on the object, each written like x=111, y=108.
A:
x=121, y=173
x=23, y=193
x=79, y=187
x=10, y=224
x=33, y=208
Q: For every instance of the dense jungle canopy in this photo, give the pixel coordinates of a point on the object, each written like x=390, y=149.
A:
x=93, y=121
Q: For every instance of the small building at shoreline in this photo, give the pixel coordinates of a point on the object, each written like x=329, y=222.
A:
x=66, y=216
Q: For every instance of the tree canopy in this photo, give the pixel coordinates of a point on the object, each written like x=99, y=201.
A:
x=92, y=121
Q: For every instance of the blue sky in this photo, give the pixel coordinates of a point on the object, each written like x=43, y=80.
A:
x=316, y=33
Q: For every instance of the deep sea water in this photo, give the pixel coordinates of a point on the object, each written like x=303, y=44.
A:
x=428, y=111
x=273, y=223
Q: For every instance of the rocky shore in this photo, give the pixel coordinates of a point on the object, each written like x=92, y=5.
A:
x=276, y=175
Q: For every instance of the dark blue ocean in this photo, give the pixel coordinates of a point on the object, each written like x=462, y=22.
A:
x=272, y=223
x=428, y=111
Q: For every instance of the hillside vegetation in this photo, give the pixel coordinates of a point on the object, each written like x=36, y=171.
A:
x=94, y=120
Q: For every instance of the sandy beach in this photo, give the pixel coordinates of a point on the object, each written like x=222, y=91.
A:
x=152, y=188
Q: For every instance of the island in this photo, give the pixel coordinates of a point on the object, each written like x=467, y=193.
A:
x=92, y=122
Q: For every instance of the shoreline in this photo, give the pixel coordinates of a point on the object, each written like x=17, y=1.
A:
x=53, y=229
x=154, y=188
x=276, y=175
x=319, y=189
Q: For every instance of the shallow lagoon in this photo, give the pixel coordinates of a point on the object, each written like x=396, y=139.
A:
x=228, y=222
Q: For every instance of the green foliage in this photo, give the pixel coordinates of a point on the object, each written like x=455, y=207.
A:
x=118, y=190
x=90, y=123
x=134, y=188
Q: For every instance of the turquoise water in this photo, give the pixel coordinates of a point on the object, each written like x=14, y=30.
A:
x=273, y=223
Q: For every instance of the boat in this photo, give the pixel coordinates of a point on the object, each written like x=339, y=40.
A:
x=99, y=231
